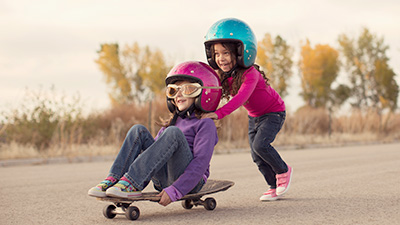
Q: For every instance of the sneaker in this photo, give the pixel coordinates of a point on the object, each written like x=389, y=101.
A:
x=100, y=189
x=283, y=181
x=123, y=189
x=270, y=195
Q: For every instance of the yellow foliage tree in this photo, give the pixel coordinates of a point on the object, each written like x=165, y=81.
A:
x=134, y=74
x=116, y=76
x=274, y=57
x=319, y=68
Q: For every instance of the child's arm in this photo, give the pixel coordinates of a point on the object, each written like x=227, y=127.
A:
x=203, y=147
x=245, y=91
x=165, y=199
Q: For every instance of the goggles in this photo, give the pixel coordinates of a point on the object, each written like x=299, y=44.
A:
x=188, y=90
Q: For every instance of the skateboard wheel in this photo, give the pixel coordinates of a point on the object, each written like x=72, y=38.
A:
x=109, y=211
x=132, y=213
x=210, y=203
x=187, y=204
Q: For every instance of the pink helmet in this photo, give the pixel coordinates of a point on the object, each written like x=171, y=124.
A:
x=197, y=72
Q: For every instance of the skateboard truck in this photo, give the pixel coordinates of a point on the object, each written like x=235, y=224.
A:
x=131, y=212
x=208, y=203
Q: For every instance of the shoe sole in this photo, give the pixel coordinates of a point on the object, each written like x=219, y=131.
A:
x=115, y=192
x=269, y=199
x=287, y=188
x=99, y=194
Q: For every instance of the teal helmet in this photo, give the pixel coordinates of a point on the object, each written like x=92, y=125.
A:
x=236, y=31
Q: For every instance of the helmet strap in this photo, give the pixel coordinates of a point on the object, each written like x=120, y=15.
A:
x=230, y=73
x=182, y=114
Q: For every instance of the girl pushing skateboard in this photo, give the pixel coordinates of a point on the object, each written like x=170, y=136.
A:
x=231, y=49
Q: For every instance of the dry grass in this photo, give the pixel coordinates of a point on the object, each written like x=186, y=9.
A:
x=283, y=141
x=102, y=133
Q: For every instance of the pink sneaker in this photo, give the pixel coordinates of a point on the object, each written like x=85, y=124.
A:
x=270, y=195
x=283, y=181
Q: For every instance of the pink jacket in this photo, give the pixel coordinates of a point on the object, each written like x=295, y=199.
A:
x=256, y=97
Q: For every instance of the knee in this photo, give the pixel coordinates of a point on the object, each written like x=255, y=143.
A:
x=135, y=129
x=255, y=157
x=172, y=130
x=259, y=146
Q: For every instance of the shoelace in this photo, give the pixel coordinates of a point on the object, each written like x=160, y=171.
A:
x=105, y=184
x=124, y=186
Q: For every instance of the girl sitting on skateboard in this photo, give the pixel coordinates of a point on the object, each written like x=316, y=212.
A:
x=231, y=49
x=177, y=160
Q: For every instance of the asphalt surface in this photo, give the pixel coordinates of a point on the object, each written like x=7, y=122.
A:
x=346, y=185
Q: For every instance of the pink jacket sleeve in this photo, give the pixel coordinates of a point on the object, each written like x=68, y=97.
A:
x=245, y=91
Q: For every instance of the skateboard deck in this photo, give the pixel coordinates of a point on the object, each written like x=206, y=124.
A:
x=123, y=205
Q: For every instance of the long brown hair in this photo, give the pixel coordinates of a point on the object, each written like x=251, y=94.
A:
x=237, y=74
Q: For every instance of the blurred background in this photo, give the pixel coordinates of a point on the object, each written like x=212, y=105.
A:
x=76, y=75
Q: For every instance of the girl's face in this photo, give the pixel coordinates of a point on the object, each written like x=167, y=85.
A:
x=223, y=57
x=182, y=102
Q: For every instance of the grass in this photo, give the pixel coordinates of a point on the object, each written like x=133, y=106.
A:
x=50, y=128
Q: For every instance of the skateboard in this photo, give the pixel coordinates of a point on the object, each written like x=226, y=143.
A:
x=123, y=205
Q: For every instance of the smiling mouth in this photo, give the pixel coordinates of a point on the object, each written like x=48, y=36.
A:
x=225, y=65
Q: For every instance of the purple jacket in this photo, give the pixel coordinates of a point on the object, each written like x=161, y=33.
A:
x=201, y=135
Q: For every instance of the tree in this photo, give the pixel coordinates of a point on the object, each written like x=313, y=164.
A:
x=110, y=64
x=275, y=59
x=319, y=68
x=372, y=80
x=135, y=74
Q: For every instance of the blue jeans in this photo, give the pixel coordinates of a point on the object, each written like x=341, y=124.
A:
x=262, y=132
x=142, y=159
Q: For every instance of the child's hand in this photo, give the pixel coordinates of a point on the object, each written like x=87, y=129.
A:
x=165, y=199
x=210, y=115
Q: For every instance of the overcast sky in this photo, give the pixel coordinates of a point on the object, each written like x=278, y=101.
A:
x=54, y=42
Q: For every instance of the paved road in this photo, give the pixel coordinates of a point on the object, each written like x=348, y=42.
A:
x=347, y=185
